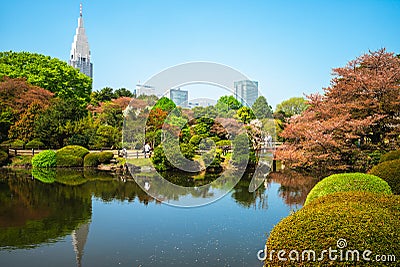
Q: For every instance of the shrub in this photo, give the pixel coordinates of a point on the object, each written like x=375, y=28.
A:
x=35, y=143
x=195, y=140
x=105, y=157
x=348, y=182
x=3, y=158
x=17, y=144
x=45, y=159
x=74, y=150
x=224, y=143
x=365, y=220
x=390, y=172
x=68, y=161
x=91, y=160
x=96, y=158
x=392, y=155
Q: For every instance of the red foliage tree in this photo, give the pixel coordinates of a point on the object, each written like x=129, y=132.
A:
x=19, y=95
x=357, y=115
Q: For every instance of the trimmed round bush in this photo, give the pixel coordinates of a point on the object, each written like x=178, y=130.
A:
x=105, y=157
x=74, y=150
x=96, y=158
x=390, y=172
x=45, y=159
x=68, y=161
x=346, y=182
x=392, y=155
x=366, y=221
x=3, y=158
x=35, y=143
x=91, y=160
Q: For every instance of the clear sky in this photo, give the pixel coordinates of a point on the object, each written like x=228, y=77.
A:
x=290, y=47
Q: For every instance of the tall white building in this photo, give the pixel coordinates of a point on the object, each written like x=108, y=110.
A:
x=246, y=92
x=80, y=52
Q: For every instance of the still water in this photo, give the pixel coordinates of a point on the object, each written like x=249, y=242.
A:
x=87, y=218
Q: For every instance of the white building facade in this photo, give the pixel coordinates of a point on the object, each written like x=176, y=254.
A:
x=80, y=51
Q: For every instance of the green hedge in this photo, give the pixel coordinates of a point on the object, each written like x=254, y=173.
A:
x=392, y=155
x=97, y=158
x=367, y=221
x=68, y=161
x=390, y=172
x=348, y=182
x=74, y=150
x=3, y=158
x=45, y=159
x=91, y=160
x=35, y=143
x=105, y=157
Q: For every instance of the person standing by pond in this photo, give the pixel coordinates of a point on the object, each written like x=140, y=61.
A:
x=147, y=150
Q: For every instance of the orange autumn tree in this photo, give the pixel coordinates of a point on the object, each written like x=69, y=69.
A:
x=356, y=117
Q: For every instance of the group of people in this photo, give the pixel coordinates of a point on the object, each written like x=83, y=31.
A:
x=146, y=150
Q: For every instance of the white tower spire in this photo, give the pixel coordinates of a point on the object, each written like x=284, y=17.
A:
x=80, y=52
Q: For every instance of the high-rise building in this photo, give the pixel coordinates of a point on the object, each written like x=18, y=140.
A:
x=144, y=89
x=179, y=97
x=80, y=52
x=246, y=92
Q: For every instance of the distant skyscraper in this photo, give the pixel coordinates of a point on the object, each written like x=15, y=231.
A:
x=179, y=97
x=80, y=52
x=144, y=89
x=246, y=92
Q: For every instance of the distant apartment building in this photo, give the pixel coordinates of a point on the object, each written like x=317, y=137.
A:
x=246, y=92
x=144, y=89
x=179, y=97
x=201, y=102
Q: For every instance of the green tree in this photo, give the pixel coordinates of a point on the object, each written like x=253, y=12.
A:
x=245, y=114
x=227, y=106
x=107, y=136
x=292, y=106
x=165, y=104
x=261, y=109
x=122, y=92
x=105, y=94
x=52, y=127
x=49, y=73
x=6, y=121
x=243, y=153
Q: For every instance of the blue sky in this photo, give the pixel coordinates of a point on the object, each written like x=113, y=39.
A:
x=290, y=47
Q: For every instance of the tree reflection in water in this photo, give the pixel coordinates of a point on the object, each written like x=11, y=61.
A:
x=294, y=186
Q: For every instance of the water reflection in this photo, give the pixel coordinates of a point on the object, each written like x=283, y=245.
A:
x=32, y=212
x=294, y=187
x=44, y=207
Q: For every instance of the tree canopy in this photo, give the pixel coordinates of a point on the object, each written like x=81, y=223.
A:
x=49, y=73
x=261, y=109
x=292, y=106
x=357, y=115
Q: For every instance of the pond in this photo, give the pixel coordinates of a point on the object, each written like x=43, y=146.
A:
x=105, y=219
